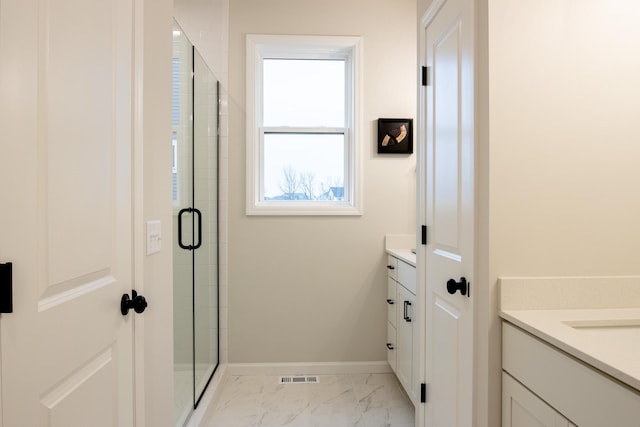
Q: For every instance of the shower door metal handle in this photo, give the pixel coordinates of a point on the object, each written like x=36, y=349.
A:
x=199, y=214
x=183, y=246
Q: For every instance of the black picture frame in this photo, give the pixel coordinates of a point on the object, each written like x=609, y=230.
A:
x=395, y=136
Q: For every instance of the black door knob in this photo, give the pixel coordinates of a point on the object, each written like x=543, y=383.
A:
x=453, y=286
x=137, y=302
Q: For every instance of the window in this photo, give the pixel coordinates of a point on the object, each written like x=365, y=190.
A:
x=302, y=125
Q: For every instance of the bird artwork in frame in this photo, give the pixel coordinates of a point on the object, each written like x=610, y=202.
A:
x=395, y=136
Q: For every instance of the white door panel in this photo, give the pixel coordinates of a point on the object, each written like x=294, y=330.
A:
x=445, y=361
x=449, y=213
x=66, y=115
x=69, y=400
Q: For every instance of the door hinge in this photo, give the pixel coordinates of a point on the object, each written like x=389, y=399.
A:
x=424, y=235
x=6, y=288
x=423, y=393
x=425, y=76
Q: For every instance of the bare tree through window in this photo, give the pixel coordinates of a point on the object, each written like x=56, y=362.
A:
x=290, y=183
x=307, y=183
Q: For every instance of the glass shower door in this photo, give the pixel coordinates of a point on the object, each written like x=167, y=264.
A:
x=195, y=246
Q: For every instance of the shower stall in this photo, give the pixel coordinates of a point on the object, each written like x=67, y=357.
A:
x=195, y=225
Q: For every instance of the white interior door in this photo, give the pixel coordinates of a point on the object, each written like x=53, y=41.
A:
x=65, y=119
x=449, y=187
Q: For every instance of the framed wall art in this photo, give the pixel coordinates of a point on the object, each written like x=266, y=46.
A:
x=395, y=136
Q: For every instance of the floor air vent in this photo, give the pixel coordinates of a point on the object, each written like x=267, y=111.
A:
x=299, y=379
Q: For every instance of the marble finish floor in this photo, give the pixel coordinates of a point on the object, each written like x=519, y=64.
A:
x=352, y=400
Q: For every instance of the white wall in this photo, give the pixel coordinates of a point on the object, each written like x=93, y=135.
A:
x=152, y=182
x=565, y=103
x=563, y=129
x=312, y=289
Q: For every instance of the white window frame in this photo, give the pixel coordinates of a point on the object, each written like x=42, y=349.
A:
x=260, y=47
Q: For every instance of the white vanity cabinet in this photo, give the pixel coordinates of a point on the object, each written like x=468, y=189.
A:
x=544, y=386
x=521, y=408
x=392, y=296
x=402, y=329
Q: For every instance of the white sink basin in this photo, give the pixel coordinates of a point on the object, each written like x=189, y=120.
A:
x=607, y=324
x=622, y=334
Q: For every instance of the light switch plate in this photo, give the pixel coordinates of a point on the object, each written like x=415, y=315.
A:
x=154, y=237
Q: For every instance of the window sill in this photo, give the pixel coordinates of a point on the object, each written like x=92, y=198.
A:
x=302, y=209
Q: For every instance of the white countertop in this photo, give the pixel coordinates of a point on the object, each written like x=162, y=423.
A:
x=403, y=254
x=401, y=246
x=596, y=320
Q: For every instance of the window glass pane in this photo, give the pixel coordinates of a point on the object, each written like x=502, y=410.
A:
x=304, y=92
x=303, y=167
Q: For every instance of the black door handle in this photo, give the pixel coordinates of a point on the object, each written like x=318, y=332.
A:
x=199, y=214
x=390, y=346
x=390, y=301
x=406, y=315
x=137, y=302
x=453, y=286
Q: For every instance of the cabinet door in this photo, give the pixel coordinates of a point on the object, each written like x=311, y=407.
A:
x=521, y=408
x=392, y=303
x=391, y=346
x=404, y=329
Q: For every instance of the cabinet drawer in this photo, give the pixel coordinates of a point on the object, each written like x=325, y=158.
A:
x=391, y=346
x=407, y=276
x=392, y=304
x=581, y=393
x=392, y=267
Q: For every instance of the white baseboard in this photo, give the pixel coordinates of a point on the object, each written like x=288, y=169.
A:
x=309, y=368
